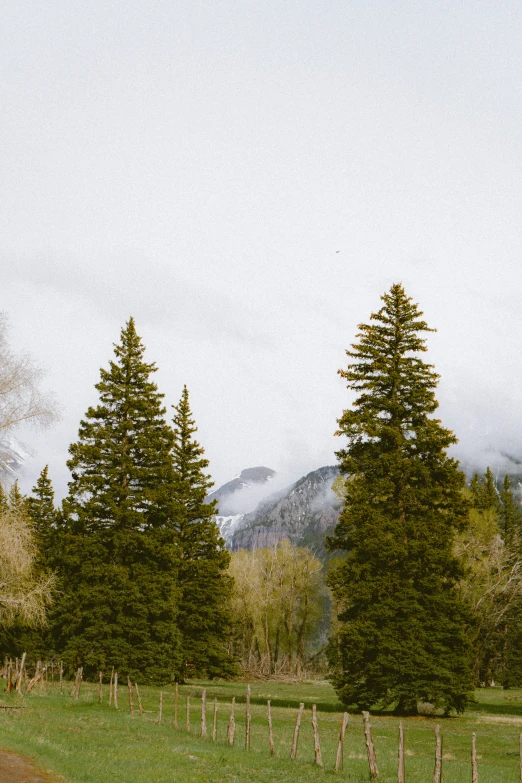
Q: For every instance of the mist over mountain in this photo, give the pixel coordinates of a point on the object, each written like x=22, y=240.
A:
x=244, y=492
x=303, y=511
x=13, y=455
x=258, y=511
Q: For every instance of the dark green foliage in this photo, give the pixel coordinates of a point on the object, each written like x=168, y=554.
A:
x=401, y=634
x=484, y=492
x=44, y=517
x=15, y=499
x=117, y=550
x=204, y=617
x=4, y=502
x=510, y=518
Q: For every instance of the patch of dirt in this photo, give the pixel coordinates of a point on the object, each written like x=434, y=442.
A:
x=15, y=769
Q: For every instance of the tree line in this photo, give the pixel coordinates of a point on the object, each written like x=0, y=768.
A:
x=141, y=573
x=424, y=572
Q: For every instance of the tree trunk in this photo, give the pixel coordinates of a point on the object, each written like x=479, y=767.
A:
x=406, y=707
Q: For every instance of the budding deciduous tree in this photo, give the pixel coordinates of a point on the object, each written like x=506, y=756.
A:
x=25, y=593
x=278, y=599
x=21, y=399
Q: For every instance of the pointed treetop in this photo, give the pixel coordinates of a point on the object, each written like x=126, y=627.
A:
x=188, y=453
x=43, y=492
x=484, y=491
x=397, y=387
x=16, y=499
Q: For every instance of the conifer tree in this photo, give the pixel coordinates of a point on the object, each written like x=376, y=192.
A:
x=3, y=499
x=117, y=544
x=484, y=492
x=402, y=634
x=15, y=498
x=43, y=514
x=204, y=617
x=510, y=518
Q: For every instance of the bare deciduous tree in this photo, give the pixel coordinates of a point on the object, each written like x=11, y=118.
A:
x=21, y=399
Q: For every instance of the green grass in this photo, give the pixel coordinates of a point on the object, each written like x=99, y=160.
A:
x=85, y=742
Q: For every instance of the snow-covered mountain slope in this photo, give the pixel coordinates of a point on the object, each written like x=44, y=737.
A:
x=244, y=492
x=253, y=516
x=304, y=513
x=13, y=454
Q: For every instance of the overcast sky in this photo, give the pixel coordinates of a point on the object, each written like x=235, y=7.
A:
x=246, y=179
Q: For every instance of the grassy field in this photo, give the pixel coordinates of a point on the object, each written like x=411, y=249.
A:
x=85, y=742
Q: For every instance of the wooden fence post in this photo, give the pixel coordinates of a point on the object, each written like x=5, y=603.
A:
x=116, y=690
x=248, y=719
x=75, y=683
x=339, y=759
x=160, y=713
x=9, y=668
x=204, y=713
x=317, y=747
x=30, y=685
x=176, y=700
x=100, y=690
x=61, y=677
x=293, y=752
x=372, y=760
x=270, y=730
x=188, y=712
x=140, y=705
x=111, y=687
x=474, y=768
x=437, y=772
x=214, y=722
x=79, y=677
x=20, y=673
x=231, y=723
x=131, y=700
x=400, y=770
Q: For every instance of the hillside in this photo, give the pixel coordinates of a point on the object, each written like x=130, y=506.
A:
x=302, y=512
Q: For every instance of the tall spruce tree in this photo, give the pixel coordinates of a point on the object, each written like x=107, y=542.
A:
x=117, y=554
x=402, y=634
x=204, y=617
